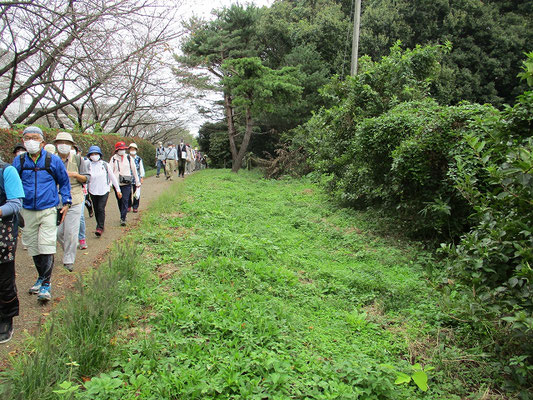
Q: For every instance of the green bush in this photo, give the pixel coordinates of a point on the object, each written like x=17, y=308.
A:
x=496, y=256
x=10, y=137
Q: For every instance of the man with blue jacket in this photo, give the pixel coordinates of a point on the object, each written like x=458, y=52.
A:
x=41, y=174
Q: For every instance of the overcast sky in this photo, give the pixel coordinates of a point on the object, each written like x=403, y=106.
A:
x=202, y=8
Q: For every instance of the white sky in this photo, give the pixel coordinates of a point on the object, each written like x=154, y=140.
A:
x=202, y=8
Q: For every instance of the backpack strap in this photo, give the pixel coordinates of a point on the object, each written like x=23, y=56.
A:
x=47, y=165
x=106, y=167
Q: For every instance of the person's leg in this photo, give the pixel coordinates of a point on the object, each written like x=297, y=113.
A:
x=9, y=302
x=71, y=227
x=123, y=202
x=130, y=199
x=81, y=233
x=99, y=204
x=159, y=164
x=168, y=172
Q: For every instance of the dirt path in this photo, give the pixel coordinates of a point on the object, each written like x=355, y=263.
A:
x=32, y=313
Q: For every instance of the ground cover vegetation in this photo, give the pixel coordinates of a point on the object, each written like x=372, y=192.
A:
x=249, y=288
x=458, y=175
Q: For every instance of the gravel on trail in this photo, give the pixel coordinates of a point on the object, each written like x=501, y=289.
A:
x=32, y=312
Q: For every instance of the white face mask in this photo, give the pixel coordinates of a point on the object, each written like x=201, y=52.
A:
x=133, y=152
x=121, y=152
x=64, y=148
x=95, y=157
x=33, y=146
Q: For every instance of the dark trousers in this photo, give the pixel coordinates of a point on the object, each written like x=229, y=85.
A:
x=9, y=302
x=44, y=264
x=159, y=166
x=123, y=202
x=181, y=167
x=99, y=203
x=133, y=201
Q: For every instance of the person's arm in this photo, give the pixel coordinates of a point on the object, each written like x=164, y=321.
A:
x=14, y=192
x=11, y=207
x=84, y=176
x=113, y=178
x=141, y=169
x=58, y=168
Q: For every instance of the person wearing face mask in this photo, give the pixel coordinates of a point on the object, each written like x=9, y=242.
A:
x=124, y=170
x=42, y=174
x=101, y=177
x=78, y=172
x=135, y=198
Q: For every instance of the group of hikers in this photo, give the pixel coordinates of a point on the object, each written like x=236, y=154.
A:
x=184, y=157
x=44, y=192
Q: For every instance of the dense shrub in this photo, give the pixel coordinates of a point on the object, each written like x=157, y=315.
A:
x=9, y=138
x=495, y=258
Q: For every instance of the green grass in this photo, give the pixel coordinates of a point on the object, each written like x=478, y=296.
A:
x=258, y=289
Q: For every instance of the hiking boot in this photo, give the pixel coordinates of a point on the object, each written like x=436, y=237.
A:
x=82, y=245
x=122, y=222
x=6, y=330
x=157, y=176
x=135, y=210
x=44, y=292
x=69, y=267
x=129, y=209
x=98, y=232
x=35, y=288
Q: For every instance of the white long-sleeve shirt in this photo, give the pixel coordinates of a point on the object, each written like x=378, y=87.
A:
x=101, y=179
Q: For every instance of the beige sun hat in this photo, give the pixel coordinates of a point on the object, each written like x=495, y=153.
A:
x=64, y=136
x=133, y=145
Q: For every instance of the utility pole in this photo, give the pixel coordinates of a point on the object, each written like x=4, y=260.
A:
x=355, y=42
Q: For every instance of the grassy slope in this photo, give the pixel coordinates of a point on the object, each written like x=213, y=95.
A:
x=247, y=289
x=267, y=292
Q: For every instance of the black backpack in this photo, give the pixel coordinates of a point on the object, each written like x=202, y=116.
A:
x=47, y=163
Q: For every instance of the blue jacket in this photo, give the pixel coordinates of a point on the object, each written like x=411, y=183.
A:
x=40, y=185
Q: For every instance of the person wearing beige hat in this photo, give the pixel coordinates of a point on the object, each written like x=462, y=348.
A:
x=78, y=172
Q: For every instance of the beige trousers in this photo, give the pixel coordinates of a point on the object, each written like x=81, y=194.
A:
x=40, y=231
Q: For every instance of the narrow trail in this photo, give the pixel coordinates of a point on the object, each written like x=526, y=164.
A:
x=32, y=313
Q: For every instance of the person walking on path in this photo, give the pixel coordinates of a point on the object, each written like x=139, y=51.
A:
x=189, y=160
x=170, y=162
x=182, y=157
x=124, y=170
x=101, y=177
x=135, y=197
x=160, y=158
x=11, y=195
x=41, y=174
x=78, y=172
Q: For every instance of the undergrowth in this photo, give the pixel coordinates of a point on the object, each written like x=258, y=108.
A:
x=257, y=289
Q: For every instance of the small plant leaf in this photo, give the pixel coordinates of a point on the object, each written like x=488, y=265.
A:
x=421, y=380
x=402, y=378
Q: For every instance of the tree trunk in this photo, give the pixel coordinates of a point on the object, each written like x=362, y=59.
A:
x=228, y=107
x=244, y=146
